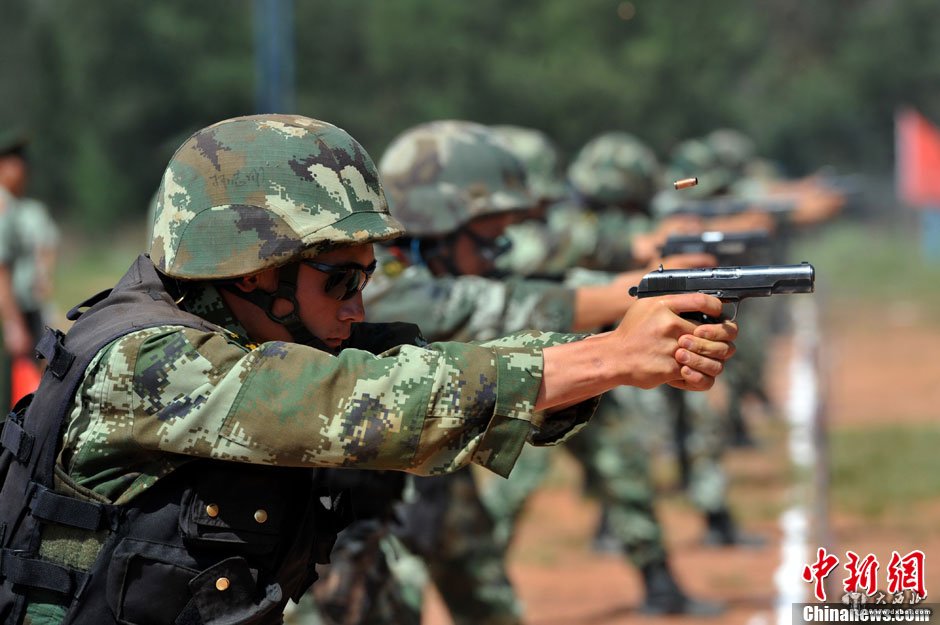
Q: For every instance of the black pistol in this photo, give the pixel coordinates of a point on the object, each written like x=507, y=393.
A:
x=728, y=206
x=729, y=284
x=730, y=248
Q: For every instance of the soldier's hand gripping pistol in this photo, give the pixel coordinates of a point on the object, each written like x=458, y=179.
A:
x=729, y=284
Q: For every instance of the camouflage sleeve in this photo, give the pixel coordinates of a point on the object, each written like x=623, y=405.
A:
x=469, y=307
x=162, y=395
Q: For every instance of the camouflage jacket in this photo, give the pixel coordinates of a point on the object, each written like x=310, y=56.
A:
x=158, y=398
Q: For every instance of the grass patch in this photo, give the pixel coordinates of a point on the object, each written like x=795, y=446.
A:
x=882, y=471
x=86, y=267
x=868, y=264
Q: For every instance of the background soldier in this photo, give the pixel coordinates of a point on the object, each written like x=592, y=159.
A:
x=616, y=177
x=27, y=254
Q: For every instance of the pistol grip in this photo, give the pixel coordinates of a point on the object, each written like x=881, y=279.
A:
x=729, y=312
x=699, y=317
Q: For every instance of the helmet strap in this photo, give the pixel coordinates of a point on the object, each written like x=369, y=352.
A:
x=286, y=290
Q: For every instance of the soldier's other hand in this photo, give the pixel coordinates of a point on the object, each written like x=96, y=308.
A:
x=706, y=349
x=650, y=336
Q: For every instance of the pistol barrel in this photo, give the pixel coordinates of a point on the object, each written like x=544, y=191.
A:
x=729, y=283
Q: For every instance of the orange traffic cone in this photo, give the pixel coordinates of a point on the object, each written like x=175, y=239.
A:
x=24, y=378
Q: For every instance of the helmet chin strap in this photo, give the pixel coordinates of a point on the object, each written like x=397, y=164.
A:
x=286, y=290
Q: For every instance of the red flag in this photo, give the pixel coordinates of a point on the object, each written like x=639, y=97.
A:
x=917, y=159
x=24, y=376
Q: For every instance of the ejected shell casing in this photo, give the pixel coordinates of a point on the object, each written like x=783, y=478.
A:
x=685, y=183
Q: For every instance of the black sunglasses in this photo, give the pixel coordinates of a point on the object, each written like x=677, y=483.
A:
x=345, y=280
x=490, y=248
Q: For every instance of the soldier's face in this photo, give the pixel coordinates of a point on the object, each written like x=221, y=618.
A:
x=328, y=318
x=473, y=248
x=13, y=174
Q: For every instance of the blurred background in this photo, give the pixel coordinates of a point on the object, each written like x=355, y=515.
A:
x=110, y=90
x=107, y=91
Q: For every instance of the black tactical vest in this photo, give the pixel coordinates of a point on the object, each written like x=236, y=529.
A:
x=213, y=543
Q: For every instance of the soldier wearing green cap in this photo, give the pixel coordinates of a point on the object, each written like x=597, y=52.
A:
x=27, y=240
x=170, y=451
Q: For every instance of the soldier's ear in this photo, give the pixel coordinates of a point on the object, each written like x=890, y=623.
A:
x=265, y=280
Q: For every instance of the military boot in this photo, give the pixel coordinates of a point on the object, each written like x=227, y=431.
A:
x=722, y=531
x=664, y=597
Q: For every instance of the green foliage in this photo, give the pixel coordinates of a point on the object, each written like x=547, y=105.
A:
x=878, y=471
x=111, y=88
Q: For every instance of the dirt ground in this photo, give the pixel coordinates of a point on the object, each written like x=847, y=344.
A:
x=561, y=582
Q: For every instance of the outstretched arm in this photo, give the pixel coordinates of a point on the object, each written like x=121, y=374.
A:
x=653, y=345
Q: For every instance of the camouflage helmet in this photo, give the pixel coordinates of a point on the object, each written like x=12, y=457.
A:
x=540, y=157
x=615, y=168
x=733, y=148
x=698, y=158
x=261, y=191
x=441, y=175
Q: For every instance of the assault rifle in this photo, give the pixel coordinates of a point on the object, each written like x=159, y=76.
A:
x=731, y=285
x=731, y=248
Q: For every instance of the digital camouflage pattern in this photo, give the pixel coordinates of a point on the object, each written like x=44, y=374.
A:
x=440, y=175
x=615, y=168
x=261, y=191
x=539, y=156
x=155, y=399
x=465, y=563
x=447, y=524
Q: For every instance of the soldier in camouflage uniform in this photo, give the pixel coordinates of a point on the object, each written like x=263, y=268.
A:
x=615, y=454
x=421, y=278
x=169, y=448
x=700, y=431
